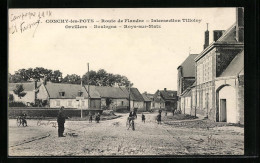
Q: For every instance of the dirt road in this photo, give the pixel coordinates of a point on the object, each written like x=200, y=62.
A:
x=111, y=137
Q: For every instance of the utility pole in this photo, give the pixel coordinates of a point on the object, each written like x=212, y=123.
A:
x=129, y=96
x=81, y=99
x=88, y=88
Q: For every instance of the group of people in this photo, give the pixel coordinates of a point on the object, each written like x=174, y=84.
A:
x=132, y=115
x=97, y=118
x=61, y=121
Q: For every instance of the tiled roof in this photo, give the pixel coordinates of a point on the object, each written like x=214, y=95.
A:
x=134, y=95
x=26, y=86
x=168, y=94
x=235, y=67
x=229, y=36
x=145, y=97
x=71, y=90
x=110, y=92
x=188, y=66
x=93, y=92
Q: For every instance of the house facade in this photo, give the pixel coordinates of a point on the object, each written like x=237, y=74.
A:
x=186, y=101
x=212, y=62
x=30, y=90
x=111, y=97
x=147, y=102
x=166, y=98
x=186, y=76
x=230, y=92
x=67, y=95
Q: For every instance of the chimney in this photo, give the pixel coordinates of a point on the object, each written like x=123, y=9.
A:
x=217, y=34
x=240, y=24
x=165, y=89
x=206, y=38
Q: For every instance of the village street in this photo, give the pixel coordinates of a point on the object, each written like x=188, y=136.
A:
x=111, y=137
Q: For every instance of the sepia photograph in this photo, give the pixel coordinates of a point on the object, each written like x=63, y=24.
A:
x=126, y=82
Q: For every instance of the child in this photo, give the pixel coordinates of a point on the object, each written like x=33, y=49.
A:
x=143, y=117
x=90, y=118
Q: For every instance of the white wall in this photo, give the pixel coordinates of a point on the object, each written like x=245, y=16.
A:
x=229, y=93
x=57, y=103
x=188, y=105
x=29, y=97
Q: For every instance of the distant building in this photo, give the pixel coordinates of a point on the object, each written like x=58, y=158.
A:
x=112, y=97
x=136, y=98
x=30, y=89
x=186, y=75
x=59, y=94
x=166, y=98
x=147, y=102
x=186, y=101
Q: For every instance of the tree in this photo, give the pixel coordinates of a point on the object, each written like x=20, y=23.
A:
x=56, y=76
x=72, y=79
x=102, y=78
x=25, y=75
x=19, y=91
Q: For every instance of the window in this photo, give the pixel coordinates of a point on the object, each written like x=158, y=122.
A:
x=62, y=93
x=57, y=103
x=80, y=93
x=122, y=103
x=69, y=103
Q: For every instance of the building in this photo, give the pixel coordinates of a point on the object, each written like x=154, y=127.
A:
x=230, y=92
x=186, y=76
x=30, y=90
x=136, y=98
x=212, y=62
x=147, y=102
x=112, y=97
x=166, y=98
x=186, y=101
x=67, y=95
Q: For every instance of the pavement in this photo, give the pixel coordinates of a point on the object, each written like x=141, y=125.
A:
x=111, y=138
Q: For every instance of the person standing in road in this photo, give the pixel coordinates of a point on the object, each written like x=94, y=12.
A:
x=61, y=121
x=143, y=117
x=90, y=118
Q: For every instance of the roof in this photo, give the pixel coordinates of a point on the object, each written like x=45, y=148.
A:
x=93, y=93
x=146, y=98
x=235, y=67
x=135, y=95
x=228, y=38
x=188, y=66
x=26, y=86
x=186, y=93
x=71, y=90
x=110, y=92
x=168, y=94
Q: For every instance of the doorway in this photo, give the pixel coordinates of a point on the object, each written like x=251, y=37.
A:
x=223, y=110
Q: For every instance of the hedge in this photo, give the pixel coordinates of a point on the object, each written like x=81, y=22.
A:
x=48, y=112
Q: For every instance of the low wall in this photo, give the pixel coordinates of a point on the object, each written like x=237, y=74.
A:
x=48, y=112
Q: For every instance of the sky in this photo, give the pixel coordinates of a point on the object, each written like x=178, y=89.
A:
x=147, y=57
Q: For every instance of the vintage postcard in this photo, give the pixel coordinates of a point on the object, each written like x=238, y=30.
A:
x=126, y=82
